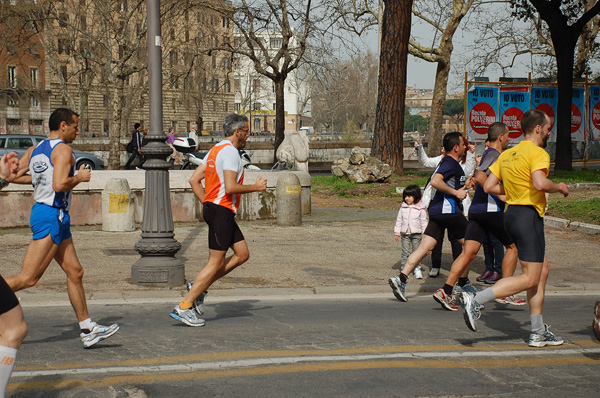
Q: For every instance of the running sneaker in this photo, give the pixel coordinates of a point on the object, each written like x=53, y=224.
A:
x=98, y=333
x=512, y=300
x=597, y=320
x=189, y=317
x=418, y=273
x=199, y=302
x=468, y=287
x=447, y=301
x=542, y=340
x=471, y=311
x=398, y=287
x=434, y=272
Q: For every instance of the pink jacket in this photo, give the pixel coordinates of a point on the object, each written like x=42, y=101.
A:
x=414, y=216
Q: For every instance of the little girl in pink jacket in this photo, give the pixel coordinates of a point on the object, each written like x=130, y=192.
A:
x=411, y=223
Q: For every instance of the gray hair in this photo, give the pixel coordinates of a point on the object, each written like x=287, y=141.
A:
x=232, y=122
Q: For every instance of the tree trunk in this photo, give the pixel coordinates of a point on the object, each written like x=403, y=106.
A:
x=279, y=116
x=437, y=108
x=114, y=156
x=565, y=50
x=389, y=122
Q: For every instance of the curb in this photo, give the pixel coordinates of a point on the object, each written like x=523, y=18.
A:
x=554, y=222
x=414, y=290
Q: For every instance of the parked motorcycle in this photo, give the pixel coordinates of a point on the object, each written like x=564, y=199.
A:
x=246, y=162
x=191, y=158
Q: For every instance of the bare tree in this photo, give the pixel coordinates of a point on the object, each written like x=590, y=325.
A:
x=274, y=35
x=443, y=17
x=566, y=21
x=345, y=92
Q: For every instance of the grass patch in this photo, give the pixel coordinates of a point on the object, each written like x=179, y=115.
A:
x=333, y=185
x=583, y=210
x=574, y=176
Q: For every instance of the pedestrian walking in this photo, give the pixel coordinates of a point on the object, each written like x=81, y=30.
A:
x=223, y=173
x=410, y=224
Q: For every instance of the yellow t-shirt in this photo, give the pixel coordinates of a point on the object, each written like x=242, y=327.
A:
x=514, y=168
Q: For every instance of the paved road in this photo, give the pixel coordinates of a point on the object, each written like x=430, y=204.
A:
x=305, y=346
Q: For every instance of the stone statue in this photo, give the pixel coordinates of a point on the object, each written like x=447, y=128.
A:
x=293, y=151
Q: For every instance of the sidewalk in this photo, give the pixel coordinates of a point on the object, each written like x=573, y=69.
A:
x=336, y=251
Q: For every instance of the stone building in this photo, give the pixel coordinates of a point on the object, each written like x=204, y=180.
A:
x=71, y=63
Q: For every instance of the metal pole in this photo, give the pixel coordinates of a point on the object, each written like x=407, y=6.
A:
x=158, y=246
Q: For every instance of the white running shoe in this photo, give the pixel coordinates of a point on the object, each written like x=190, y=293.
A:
x=512, y=300
x=418, y=273
x=199, y=302
x=544, y=339
x=97, y=334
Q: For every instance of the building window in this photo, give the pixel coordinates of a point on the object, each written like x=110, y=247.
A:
x=12, y=102
x=35, y=102
x=256, y=85
x=105, y=126
x=274, y=106
x=257, y=106
x=226, y=106
x=238, y=106
x=12, y=76
x=33, y=75
x=63, y=70
x=276, y=43
x=256, y=124
x=237, y=85
x=225, y=22
x=214, y=86
x=227, y=86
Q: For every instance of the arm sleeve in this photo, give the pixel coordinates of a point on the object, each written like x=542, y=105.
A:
x=469, y=164
x=398, y=223
x=540, y=161
x=426, y=161
x=231, y=159
x=423, y=218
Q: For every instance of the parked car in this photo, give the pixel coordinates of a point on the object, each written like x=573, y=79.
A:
x=20, y=142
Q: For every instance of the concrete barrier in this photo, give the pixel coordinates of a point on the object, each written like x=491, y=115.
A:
x=118, y=210
x=289, y=204
x=16, y=200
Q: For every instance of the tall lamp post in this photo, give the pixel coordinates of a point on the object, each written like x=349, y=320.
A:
x=158, y=265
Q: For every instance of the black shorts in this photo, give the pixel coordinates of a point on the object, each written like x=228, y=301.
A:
x=526, y=228
x=481, y=223
x=223, y=231
x=8, y=300
x=456, y=226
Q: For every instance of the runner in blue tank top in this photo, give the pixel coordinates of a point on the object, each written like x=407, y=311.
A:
x=52, y=173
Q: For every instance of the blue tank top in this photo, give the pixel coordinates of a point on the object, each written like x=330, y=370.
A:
x=42, y=175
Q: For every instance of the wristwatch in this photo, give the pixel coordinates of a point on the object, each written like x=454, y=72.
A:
x=3, y=183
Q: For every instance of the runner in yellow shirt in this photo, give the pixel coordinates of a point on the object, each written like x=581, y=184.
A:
x=523, y=171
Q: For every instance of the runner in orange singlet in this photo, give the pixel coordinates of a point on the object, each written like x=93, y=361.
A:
x=224, y=176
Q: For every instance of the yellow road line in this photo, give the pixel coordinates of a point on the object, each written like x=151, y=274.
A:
x=213, y=356
x=87, y=382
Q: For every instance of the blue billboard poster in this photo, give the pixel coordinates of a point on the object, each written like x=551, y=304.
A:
x=595, y=112
x=482, y=111
x=514, y=102
x=578, y=115
x=546, y=99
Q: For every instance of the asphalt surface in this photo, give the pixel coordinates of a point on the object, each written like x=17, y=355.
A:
x=309, y=291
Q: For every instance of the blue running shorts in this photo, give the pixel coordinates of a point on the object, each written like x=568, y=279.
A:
x=46, y=220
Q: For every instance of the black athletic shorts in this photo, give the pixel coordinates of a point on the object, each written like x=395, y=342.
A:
x=481, y=223
x=8, y=300
x=223, y=231
x=456, y=226
x=526, y=228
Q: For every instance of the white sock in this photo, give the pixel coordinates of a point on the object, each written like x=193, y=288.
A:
x=87, y=324
x=7, y=363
